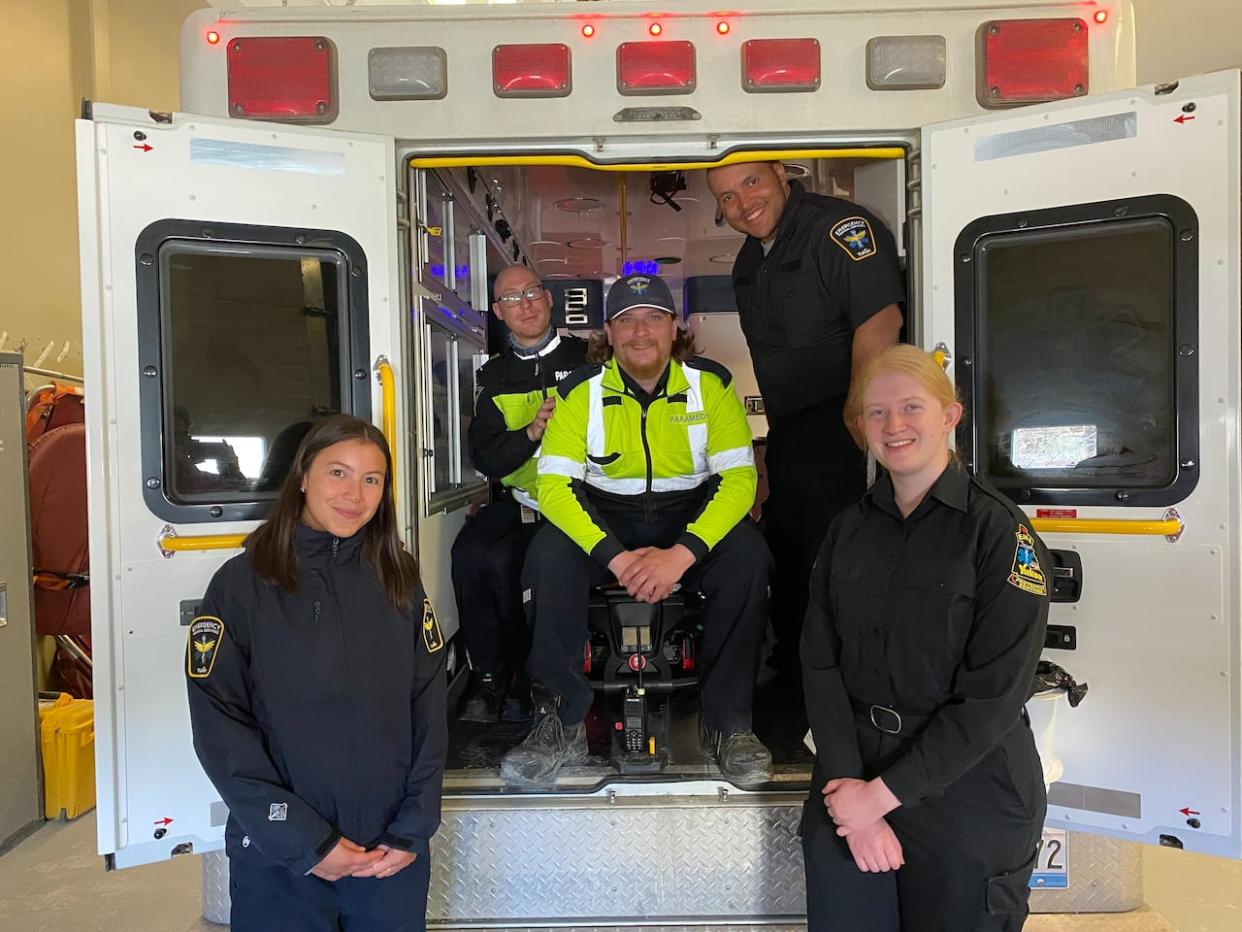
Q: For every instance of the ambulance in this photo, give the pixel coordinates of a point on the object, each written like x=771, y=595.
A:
x=315, y=232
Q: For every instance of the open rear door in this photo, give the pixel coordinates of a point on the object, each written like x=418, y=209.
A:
x=239, y=280
x=1082, y=273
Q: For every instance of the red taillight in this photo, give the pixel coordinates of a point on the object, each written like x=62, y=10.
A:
x=531, y=70
x=1026, y=61
x=282, y=78
x=655, y=67
x=780, y=64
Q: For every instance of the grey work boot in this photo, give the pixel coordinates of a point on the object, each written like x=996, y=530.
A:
x=549, y=744
x=742, y=757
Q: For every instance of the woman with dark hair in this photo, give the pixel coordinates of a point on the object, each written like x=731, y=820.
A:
x=317, y=699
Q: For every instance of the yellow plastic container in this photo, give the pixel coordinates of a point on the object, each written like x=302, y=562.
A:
x=67, y=736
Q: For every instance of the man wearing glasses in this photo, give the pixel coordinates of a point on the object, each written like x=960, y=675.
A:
x=516, y=399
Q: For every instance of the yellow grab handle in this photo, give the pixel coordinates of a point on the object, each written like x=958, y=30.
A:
x=388, y=412
x=170, y=543
x=1170, y=526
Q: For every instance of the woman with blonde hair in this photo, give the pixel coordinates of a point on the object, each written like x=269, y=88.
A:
x=928, y=606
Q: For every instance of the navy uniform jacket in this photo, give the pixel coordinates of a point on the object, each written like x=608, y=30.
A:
x=939, y=616
x=832, y=266
x=319, y=714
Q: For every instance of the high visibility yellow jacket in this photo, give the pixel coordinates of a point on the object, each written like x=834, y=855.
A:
x=689, y=443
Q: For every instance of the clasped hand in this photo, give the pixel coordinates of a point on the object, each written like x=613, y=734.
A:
x=649, y=573
x=858, y=807
x=348, y=859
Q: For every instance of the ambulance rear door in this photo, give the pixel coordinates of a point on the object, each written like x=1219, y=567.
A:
x=239, y=280
x=1081, y=273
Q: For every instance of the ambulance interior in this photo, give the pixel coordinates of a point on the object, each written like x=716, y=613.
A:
x=579, y=229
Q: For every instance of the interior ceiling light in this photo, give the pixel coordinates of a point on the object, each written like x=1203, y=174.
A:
x=578, y=205
x=557, y=259
x=586, y=242
x=796, y=170
x=667, y=260
x=723, y=258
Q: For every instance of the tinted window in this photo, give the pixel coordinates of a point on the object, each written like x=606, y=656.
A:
x=252, y=354
x=1076, y=342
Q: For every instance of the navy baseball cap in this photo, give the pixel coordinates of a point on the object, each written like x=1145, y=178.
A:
x=638, y=291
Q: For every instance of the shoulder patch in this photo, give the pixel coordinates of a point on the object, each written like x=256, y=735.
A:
x=1026, y=573
x=433, y=637
x=853, y=234
x=577, y=377
x=205, y=634
x=703, y=364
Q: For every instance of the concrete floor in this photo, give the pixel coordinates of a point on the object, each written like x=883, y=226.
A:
x=54, y=882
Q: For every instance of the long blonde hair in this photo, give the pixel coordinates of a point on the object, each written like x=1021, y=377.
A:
x=902, y=359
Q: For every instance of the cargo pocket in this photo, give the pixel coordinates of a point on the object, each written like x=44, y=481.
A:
x=1008, y=893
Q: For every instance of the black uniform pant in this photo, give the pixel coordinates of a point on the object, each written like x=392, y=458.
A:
x=814, y=471
x=267, y=898
x=487, y=580
x=733, y=578
x=968, y=854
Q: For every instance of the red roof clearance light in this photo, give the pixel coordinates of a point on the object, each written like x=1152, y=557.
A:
x=723, y=28
x=655, y=29
x=285, y=78
x=1101, y=16
x=587, y=31
x=531, y=70
x=780, y=65
x=655, y=68
x=213, y=37
x=1027, y=61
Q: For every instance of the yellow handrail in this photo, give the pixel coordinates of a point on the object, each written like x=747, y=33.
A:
x=578, y=161
x=170, y=543
x=1166, y=527
x=388, y=412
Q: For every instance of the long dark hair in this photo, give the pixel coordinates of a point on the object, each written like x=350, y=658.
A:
x=271, y=544
x=599, y=350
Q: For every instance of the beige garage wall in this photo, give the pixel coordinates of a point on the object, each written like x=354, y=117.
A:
x=54, y=52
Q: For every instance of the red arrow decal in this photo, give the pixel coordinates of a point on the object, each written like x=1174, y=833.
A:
x=1187, y=811
x=1183, y=118
x=145, y=147
x=164, y=821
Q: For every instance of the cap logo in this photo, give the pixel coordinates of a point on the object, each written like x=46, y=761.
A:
x=639, y=285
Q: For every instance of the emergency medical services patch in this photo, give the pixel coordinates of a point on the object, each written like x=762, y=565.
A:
x=853, y=234
x=1026, y=574
x=433, y=637
x=205, y=634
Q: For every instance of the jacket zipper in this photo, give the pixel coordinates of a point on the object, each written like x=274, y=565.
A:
x=648, y=503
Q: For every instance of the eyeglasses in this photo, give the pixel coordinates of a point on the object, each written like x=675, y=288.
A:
x=513, y=298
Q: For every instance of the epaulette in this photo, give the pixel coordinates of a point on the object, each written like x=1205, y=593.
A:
x=577, y=377
x=703, y=364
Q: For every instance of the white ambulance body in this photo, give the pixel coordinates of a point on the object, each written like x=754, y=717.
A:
x=362, y=168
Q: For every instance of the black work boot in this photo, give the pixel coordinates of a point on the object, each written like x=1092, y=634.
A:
x=741, y=756
x=549, y=744
x=482, y=699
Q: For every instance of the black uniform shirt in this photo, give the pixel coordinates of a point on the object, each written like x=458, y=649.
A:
x=832, y=266
x=940, y=614
x=318, y=713
x=517, y=386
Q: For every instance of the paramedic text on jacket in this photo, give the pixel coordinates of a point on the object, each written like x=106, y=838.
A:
x=646, y=475
x=929, y=603
x=319, y=713
x=516, y=398
x=818, y=292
